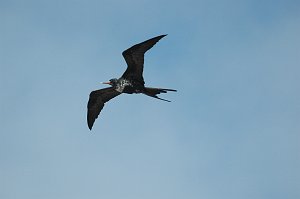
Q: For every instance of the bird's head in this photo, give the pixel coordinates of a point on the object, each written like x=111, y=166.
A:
x=112, y=82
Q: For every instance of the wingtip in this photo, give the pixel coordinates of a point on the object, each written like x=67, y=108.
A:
x=90, y=125
x=161, y=36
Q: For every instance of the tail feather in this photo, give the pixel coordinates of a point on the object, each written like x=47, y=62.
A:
x=153, y=92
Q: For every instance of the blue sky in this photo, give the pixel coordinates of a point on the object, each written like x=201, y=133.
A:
x=232, y=130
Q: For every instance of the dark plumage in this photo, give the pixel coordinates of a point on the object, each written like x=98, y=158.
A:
x=130, y=82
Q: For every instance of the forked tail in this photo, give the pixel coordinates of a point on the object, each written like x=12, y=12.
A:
x=153, y=92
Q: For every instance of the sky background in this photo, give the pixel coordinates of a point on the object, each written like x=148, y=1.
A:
x=232, y=130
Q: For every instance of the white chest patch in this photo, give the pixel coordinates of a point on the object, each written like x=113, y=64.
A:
x=122, y=84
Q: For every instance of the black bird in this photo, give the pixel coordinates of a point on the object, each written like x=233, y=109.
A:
x=130, y=82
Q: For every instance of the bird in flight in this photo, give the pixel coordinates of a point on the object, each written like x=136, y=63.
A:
x=130, y=82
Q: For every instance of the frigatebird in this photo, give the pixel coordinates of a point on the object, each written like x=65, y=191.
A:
x=130, y=82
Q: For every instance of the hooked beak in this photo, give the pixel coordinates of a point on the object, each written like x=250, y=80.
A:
x=106, y=83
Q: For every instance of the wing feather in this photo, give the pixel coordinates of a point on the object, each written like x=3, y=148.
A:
x=96, y=103
x=134, y=57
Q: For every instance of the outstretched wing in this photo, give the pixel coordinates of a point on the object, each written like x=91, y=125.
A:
x=96, y=103
x=134, y=58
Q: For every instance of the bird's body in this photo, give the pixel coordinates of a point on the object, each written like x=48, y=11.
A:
x=128, y=86
x=130, y=82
